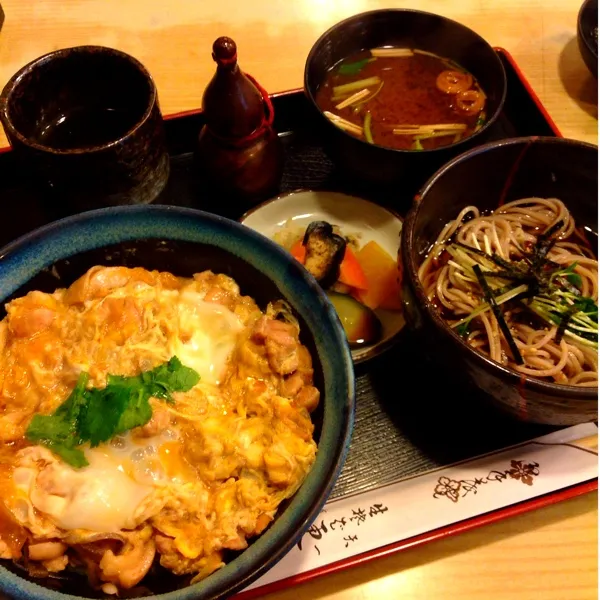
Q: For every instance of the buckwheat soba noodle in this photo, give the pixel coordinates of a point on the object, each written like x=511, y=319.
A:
x=520, y=285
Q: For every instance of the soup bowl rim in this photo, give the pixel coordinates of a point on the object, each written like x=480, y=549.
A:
x=403, y=151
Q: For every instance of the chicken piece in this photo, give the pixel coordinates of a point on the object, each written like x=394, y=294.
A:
x=130, y=565
x=279, y=468
x=100, y=281
x=43, y=551
x=122, y=318
x=308, y=398
x=31, y=314
x=292, y=385
x=218, y=295
x=281, y=342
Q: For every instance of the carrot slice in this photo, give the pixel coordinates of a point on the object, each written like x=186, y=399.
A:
x=298, y=251
x=351, y=273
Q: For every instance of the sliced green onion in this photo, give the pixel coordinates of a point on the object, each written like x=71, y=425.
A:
x=350, y=100
x=353, y=68
x=358, y=106
x=392, y=52
x=493, y=257
x=346, y=88
x=513, y=293
x=367, y=128
x=425, y=53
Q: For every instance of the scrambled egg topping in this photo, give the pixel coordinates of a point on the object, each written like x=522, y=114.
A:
x=203, y=476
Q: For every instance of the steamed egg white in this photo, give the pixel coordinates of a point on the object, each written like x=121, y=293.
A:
x=207, y=335
x=122, y=485
x=125, y=481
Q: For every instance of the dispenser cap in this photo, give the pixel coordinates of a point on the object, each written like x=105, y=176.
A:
x=224, y=51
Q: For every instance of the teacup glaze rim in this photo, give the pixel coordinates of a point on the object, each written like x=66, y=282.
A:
x=62, y=53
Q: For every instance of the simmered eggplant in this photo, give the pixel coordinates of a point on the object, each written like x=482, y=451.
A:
x=361, y=324
x=324, y=252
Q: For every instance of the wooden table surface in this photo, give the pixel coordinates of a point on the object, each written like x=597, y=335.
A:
x=550, y=553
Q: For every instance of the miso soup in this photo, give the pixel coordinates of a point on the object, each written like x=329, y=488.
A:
x=402, y=98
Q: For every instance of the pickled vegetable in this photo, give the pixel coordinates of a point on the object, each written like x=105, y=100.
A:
x=360, y=323
x=383, y=278
x=324, y=252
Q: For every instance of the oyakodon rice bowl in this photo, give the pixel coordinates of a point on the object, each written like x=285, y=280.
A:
x=149, y=420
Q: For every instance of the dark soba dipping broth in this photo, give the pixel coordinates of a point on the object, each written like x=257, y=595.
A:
x=402, y=98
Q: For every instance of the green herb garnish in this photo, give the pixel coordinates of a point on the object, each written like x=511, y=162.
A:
x=353, y=68
x=97, y=415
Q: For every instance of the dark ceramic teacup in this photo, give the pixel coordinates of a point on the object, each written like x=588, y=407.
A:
x=88, y=122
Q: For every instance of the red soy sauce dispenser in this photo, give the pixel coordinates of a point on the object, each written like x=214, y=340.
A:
x=238, y=152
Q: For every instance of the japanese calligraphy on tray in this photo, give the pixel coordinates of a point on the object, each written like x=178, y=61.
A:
x=352, y=525
x=349, y=522
x=453, y=490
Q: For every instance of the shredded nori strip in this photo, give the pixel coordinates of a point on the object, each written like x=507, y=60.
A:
x=489, y=297
x=548, y=234
x=564, y=322
x=510, y=275
x=544, y=244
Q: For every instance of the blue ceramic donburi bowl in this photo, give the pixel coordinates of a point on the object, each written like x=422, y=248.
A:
x=185, y=241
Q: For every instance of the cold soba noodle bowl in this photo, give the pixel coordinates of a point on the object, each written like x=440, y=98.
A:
x=520, y=285
x=402, y=98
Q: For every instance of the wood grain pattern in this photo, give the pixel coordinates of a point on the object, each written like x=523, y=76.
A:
x=174, y=41
x=550, y=553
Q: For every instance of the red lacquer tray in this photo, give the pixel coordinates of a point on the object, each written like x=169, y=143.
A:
x=391, y=442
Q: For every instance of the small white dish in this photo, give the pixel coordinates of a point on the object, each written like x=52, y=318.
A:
x=355, y=217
